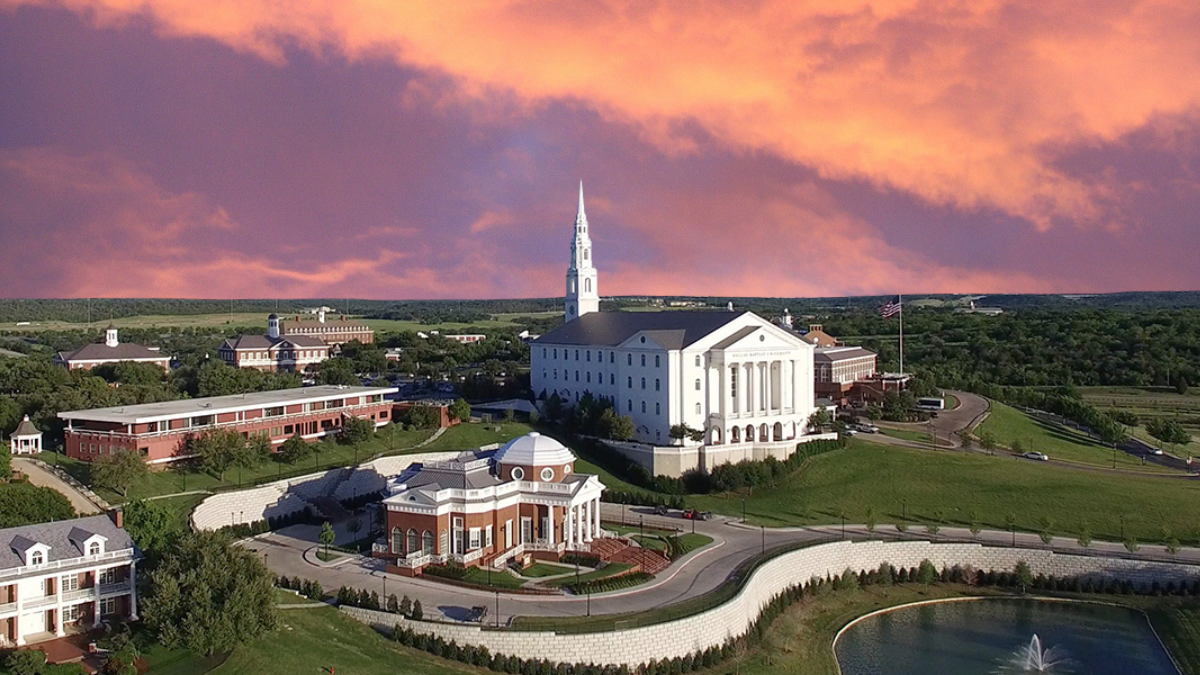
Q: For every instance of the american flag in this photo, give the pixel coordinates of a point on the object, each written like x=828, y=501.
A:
x=892, y=308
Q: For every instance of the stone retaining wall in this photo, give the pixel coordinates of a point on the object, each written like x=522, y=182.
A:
x=689, y=635
x=288, y=496
x=675, y=460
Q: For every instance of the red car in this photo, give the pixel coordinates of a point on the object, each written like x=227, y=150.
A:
x=693, y=514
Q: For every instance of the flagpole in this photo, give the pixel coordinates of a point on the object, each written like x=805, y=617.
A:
x=900, y=301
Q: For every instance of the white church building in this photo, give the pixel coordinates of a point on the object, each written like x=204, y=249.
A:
x=743, y=381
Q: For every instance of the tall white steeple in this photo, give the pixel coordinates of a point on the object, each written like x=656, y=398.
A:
x=583, y=295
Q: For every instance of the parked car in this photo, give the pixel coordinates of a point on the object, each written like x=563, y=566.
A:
x=478, y=613
x=1040, y=456
x=850, y=432
x=661, y=510
x=693, y=514
x=1154, y=451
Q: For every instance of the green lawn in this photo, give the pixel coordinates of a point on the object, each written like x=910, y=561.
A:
x=610, y=481
x=1179, y=628
x=542, y=569
x=314, y=641
x=187, y=478
x=919, y=483
x=692, y=541
x=476, y=575
x=1007, y=424
x=609, y=570
x=469, y=436
x=951, y=401
x=906, y=434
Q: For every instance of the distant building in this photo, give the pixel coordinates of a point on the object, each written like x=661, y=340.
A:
x=330, y=332
x=972, y=309
x=26, y=439
x=111, y=351
x=838, y=370
x=816, y=336
x=65, y=577
x=466, y=338
x=159, y=431
x=272, y=352
x=485, y=508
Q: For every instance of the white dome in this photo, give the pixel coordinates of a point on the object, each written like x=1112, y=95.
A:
x=533, y=449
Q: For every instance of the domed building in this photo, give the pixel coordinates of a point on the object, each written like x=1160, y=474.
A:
x=485, y=508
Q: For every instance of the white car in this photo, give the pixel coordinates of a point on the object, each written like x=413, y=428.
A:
x=1154, y=451
x=1040, y=456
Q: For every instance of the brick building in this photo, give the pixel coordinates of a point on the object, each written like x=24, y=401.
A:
x=111, y=351
x=330, y=332
x=486, y=508
x=65, y=577
x=273, y=352
x=159, y=431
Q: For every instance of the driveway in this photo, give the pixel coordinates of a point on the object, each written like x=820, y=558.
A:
x=698, y=573
x=971, y=410
x=43, y=478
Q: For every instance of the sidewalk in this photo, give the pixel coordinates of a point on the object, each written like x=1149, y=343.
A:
x=42, y=477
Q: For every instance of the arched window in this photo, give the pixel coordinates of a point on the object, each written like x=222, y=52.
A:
x=643, y=360
x=556, y=353
x=35, y=558
x=697, y=359
x=630, y=384
x=589, y=357
x=397, y=541
x=543, y=352
x=543, y=374
x=612, y=379
x=630, y=405
x=556, y=373
x=657, y=361
x=612, y=357
x=426, y=543
x=697, y=384
x=576, y=354
x=643, y=406
x=587, y=283
x=414, y=542
x=589, y=377
x=94, y=548
x=657, y=408
x=577, y=376
x=657, y=384
x=572, y=286
x=629, y=359
x=643, y=383
x=697, y=408
x=585, y=256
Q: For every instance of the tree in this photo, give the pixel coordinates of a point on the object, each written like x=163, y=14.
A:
x=819, y=419
x=1181, y=385
x=1169, y=432
x=460, y=410
x=209, y=596
x=613, y=426
x=975, y=525
x=327, y=536
x=1110, y=431
x=1131, y=545
x=423, y=416
x=26, y=662
x=681, y=431
x=405, y=606
x=418, y=612
x=869, y=519
x=932, y=528
x=218, y=450
x=926, y=573
x=356, y=430
x=987, y=442
x=337, y=370
x=121, y=653
x=258, y=450
x=1173, y=546
x=294, y=449
x=119, y=470
x=152, y=526
x=393, y=605
x=1024, y=575
x=1047, y=532
x=5, y=464
x=1085, y=536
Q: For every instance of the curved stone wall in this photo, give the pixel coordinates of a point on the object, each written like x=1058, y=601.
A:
x=685, y=636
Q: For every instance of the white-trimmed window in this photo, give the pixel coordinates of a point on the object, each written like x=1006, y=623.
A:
x=108, y=606
x=547, y=474
x=487, y=536
x=36, y=558
x=94, y=548
x=518, y=473
x=69, y=582
x=72, y=613
x=475, y=541
x=108, y=576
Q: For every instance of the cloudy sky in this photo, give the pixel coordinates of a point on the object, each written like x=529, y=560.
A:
x=381, y=149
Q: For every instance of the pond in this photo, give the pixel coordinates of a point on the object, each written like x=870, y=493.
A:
x=1003, y=636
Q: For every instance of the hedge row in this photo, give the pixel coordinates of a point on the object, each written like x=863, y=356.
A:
x=609, y=583
x=309, y=589
x=243, y=530
x=581, y=559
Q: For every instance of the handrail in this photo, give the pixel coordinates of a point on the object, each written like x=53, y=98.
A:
x=68, y=562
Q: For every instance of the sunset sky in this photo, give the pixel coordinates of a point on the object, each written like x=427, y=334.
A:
x=235, y=148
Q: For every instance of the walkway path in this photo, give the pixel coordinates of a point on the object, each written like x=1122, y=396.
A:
x=698, y=573
x=42, y=477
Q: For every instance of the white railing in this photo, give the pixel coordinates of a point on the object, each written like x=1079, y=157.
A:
x=543, y=545
x=418, y=561
x=8, y=607
x=68, y=562
x=379, y=547
x=465, y=558
x=114, y=589
x=535, y=486
x=78, y=594
x=41, y=601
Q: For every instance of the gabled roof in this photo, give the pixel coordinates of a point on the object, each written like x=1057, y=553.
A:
x=263, y=342
x=65, y=539
x=830, y=354
x=125, y=351
x=675, y=330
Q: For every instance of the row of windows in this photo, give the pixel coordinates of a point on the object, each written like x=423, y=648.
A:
x=612, y=356
x=612, y=379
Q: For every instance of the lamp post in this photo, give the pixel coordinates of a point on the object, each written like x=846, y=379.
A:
x=743, y=509
x=843, y=526
x=589, y=601
x=904, y=509
x=763, y=529
x=1012, y=527
x=1122, y=527
x=497, y=609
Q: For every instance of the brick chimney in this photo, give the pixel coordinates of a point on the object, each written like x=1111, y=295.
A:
x=117, y=516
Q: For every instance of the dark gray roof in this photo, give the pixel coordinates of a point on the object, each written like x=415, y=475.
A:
x=65, y=539
x=831, y=354
x=462, y=479
x=674, y=330
x=26, y=428
x=264, y=342
x=125, y=351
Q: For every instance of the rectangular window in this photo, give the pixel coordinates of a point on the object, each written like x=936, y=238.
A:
x=108, y=576
x=70, y=582
x=508, y=534
x=289, y=429
x=71, y=614
x=276, y=431
x=276, y=411
x=108, y=606
x=152, y=427
x=487, y=536
x=475, y=540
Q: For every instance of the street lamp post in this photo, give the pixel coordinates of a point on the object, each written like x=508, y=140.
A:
x=904, y=509
x=497, y=609
x=743, y=509
x=843, y=526
x=1013, y=529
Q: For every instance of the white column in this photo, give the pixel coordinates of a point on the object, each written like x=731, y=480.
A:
x=550, y=522
x=597, y=503
x=569, y=523
x=579, y=532
x=96, y=597
x=588, y=523
x=133, y=613
x=748, y=399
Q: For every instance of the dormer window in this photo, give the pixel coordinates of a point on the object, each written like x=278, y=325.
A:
x=94, y=548
x=36, y=558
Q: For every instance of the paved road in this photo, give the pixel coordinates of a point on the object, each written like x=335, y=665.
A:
x=971, y=411
x=41, y=477
x=699, y=573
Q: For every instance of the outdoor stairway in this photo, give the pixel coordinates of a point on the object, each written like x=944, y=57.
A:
x=606, y=548
x=328, y=508
x=651, y=561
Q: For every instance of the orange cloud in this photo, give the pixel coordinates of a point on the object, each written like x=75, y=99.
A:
x=965, y=104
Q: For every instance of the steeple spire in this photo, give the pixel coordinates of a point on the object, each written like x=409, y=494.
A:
x=580, y=215
x=582, y=293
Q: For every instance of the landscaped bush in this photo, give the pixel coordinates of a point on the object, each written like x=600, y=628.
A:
x=582, y=559
x=609, y=583
x=446, y=571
